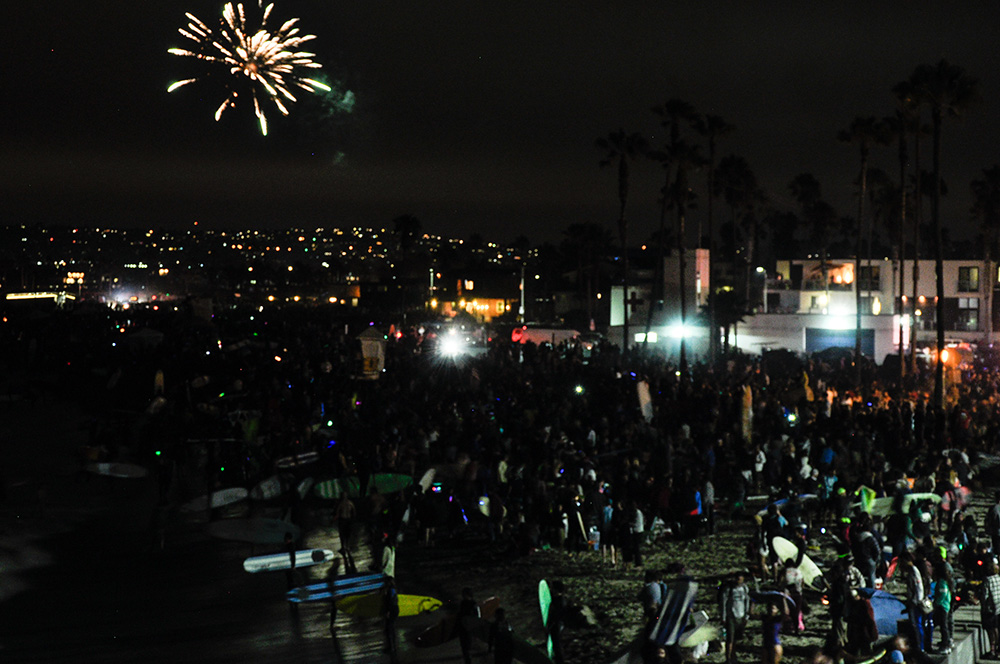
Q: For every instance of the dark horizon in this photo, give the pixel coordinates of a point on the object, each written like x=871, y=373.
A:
x=474, y=119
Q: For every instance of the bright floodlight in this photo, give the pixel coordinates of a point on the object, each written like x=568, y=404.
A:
x=451, y=345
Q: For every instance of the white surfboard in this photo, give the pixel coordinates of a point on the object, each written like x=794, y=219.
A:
x=297, y=460
x=786, y=551
x=219, y=498
x=270, y=488
x=277, y=561
x=427, y=480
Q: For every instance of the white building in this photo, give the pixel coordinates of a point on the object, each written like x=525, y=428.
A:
x=805, y=306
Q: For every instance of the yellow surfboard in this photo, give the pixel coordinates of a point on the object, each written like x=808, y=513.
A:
x=370, y=606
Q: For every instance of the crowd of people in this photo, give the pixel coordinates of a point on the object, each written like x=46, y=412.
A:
x=538, y=447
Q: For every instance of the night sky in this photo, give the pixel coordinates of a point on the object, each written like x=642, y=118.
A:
x=475, y=117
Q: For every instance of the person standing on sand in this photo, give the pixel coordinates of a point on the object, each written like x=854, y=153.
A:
x=467, y=608
x=501, y=642
x=557, y=620
x=345, y=515
x=734, y=608
x=771, y=630
x=390, y=612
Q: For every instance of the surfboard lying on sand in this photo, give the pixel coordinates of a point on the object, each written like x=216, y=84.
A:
x=117, y=469
x=382, y=482
x=297, y=460
x=272, y=487
x=254, y=531
x=278, y=561
x=370, y=605
x=786, y=551
x=219, y=498
x=445, y=629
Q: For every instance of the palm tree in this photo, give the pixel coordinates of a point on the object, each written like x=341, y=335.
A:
x=818, y=215
x=675, y=114
x=947, y=90
x=908, y=99
x=622, y=148
x=585, y=244
x=865, y=132
x=686, y=156
x=986, y=208
x=737, y=185
x=712, y=127
x=899, y=127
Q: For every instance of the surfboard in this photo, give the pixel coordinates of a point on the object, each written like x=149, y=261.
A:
x=544, y=604
x=118, y=469
x=219, y=498
x=427, y=480
x=270, y=488
x=325, y=592
x=276, y=561
x=786, y=551
x=771, y=596
x=297, y=460
x=370, y=605
x=803, y=498
x=673, y=615
x=336, y=488
x=444, y=630
x=389, y=482
x=888, y=610
x=911, y=498
x=698, y=631
x=254, y=531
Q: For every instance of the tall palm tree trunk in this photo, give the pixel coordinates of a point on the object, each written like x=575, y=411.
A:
x=939, y=274
x=902, y=251
x=713, y=324
x=857, y=265
x=659, y=288
x=917, y=213
x=682, y=265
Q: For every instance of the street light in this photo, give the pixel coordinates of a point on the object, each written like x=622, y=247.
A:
x=761, y=271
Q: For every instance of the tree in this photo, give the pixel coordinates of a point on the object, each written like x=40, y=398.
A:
x=585, y=245
x=818, y=216
x=686, y=156
x=712, y=127
x=675, y=114
x=948, y=91
x=986, y=209
x=737, y=184
x=865, y=132
x=622, y=148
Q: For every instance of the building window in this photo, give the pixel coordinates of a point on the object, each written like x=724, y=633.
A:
x=968, y=279
x=870, y=278
x=968, y=314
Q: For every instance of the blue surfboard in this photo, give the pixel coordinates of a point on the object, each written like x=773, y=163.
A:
x=340, y=587
x=888, y=610
x=673, y=615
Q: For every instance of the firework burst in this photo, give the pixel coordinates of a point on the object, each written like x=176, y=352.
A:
x=271, y=60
